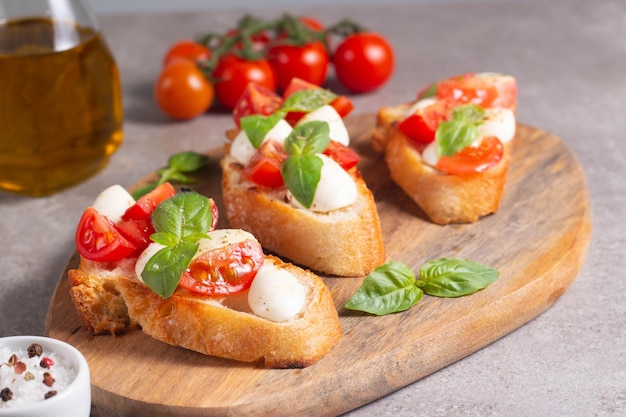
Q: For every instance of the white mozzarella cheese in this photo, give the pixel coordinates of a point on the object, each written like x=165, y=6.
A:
x=498, y=122
x=275, y=294
x=145, y=256
x=421, y=104
x=242, y=149
x=113, y=202
x=429, y=154
x=336, y=188
x=328, y=114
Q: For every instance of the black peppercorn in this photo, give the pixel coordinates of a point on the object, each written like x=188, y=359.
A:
x=6, y=394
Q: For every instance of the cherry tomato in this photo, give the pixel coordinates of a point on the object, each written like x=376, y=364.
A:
x=342, y=154
x=308, y=62
x=421, y=126
x=226, y=270
x=187, y=50
x=485, y=90
x=471, y=160
x=264, y=167
x=144, y=206
x=342, y=104
x=98, y=238
x=214, y=214
x=256, y=99
x=138, y=232
x=182, y=91
x=363, y=62
x=233, y=74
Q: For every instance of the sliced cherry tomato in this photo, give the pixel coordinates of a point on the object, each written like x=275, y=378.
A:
x=472, y=159
x=233, y=74
x=187, y=50
x=214, y=214
x=485, y=90
x=342, y=104
x=137, y=232
x=264, y=167
x=308, y=62
x=256, y=99
x=342, y=154
x=143, y=208
x=364, y=62
x=182, y=91
x=422, y=125
x=227, y=270
x=99, y=239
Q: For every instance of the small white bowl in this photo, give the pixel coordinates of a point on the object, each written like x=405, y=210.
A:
x=74, y=400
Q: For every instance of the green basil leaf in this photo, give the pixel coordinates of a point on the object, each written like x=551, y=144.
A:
x=184, y=215
x=308, y=100
x=302, y=173
x=163, y=270
x=187, y=161
x=459, y=132
x=447, y=277
x=257, y=126
x=165, y=238
x=389, y=289
x=308, y=138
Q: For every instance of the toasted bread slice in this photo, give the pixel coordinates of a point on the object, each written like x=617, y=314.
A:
x=444, y=198
x=343, y=242
x=111, y=299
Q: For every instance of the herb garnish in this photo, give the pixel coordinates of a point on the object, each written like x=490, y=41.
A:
x=460, y=131
x=392, y=287
x=180, y=222
x=302, y=169
x=178, y=166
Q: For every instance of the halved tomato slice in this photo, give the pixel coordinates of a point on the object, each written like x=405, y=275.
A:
x=342, y=154
x=225, y=270
x=483, y=89
x=98, y=238
x=256, y=99
x=421, y=126
x=264, y=167
x=138, y=232
x=471, y=159
x=145, y=205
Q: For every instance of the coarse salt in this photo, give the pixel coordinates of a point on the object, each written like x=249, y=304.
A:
x=31, y=380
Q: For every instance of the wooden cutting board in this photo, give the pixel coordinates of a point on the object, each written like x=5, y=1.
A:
x=538, y=241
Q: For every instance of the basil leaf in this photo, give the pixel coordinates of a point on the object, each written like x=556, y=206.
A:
x=163, y=270
x=165, y=238
x=455, y=277
x=257, y=126
x=308, y=138
x=302, y=173
x=389, y=289
x=459, y=132
x=308, y=100
x=187, y=161
x=185, y=215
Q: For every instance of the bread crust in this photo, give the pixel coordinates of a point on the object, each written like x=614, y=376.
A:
x=444, y=198
x=345, y=242
x=217, y=326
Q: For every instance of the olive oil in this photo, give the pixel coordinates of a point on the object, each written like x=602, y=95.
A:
x=60, y=105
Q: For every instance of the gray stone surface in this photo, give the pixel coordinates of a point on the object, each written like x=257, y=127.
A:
x=570, y=61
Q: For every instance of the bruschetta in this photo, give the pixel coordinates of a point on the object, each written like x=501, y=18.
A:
x=291, y=179
x=158, y=264
x=450, y=148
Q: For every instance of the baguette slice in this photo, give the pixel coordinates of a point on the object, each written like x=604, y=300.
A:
x=110, y=299
x=344, y=242
x=444, y=198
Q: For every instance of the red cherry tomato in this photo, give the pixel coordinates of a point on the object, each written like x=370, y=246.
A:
x=308, y=62
x=144, y=206
x=182, y=91
x=264, y=167
x=138, y=232
x=342, y=104
x=485, y=90
x=187, y=50
x=233, y=74
x=342, y=154
x=98, y=238
x=363, y=62
x=226, y=270
x=214, y=214
x=471, y=160
x=422, y=125
x=256, y=99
